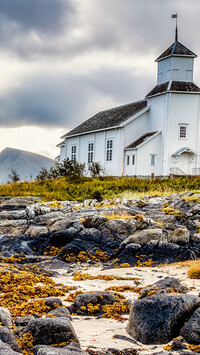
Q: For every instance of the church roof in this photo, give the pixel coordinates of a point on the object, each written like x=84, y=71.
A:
x=108, y=118
x=179, y=86
x=140, y=140
x=176, y=49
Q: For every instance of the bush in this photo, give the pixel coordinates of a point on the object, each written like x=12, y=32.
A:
x=95, y=169
x=14, y=176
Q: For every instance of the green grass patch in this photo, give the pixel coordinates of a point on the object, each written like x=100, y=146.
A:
x=105, y=187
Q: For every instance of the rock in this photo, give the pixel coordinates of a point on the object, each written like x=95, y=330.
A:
x=50, y=331
x=23, y=321
x=49, y=350
x=6, y=349
x=5, y=317
x=8, y=338
x=63, y=224
x=59, y=312
x=13, y=215
x=17, y=202
x=180, y=236
x=178, y=345
x=144, y=236
x=34, y=231
x=97, y=299
x=94, y=221
x=61, y=238
x=53, y=302
x=166, y=285
x=191, y=329
x=158, y=319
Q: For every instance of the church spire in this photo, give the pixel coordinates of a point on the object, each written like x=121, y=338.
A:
x=176, y=31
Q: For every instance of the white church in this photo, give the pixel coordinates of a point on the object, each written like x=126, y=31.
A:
x=158, y=135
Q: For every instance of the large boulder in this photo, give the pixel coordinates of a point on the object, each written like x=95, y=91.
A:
x=191, y=329
x=49, y=331
x=158, y=319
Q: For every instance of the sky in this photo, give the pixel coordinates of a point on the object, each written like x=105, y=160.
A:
x=62, y=61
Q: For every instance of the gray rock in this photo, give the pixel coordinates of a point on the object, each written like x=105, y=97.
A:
x=34, y=231
x=59, y=312
x=6, y=349
x=94, y=221
x=166, y=285
x=191, y=330
x=23, y=321
x=158, y=319
x=96, y=298
x=181, y=236
x=12, y=215
x=18, y=202
x=52, y=302
x=144, y=236
x=51, y=331
x=5, y=317
x=49, y=350
x=8, y=338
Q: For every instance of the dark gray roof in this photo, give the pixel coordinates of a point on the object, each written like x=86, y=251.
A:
x=109, y=118
x=183, y=86
x=140, y=140
x=176, y=48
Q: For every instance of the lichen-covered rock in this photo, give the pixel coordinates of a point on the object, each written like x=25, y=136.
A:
x=191, y=329
x=92, y=302
x=53, y=302
x=46, y=331
x=158, y=319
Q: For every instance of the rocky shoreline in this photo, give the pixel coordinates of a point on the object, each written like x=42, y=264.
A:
x=118, y=238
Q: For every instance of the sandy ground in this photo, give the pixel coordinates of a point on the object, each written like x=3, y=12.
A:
x=101, y=333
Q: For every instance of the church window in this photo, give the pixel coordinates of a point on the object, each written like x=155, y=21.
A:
x=133, y=159
x=109, y=150
x=73, y=153
x=182, y=131
x=90, y=152
x=127, y=160
x=153, y=159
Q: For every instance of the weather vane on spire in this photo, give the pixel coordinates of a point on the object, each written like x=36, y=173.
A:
x=176, y=33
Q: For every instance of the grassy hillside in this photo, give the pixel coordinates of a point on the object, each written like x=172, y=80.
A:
x=103, y=188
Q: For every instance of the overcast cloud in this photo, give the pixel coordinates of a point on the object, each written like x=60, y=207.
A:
x=76, y=57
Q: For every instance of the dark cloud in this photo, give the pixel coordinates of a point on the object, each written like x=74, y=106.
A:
x=66, y=101
x=130, y=26
x=35, y=15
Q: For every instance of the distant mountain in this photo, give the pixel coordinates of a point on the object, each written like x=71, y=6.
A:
x=27, y=164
